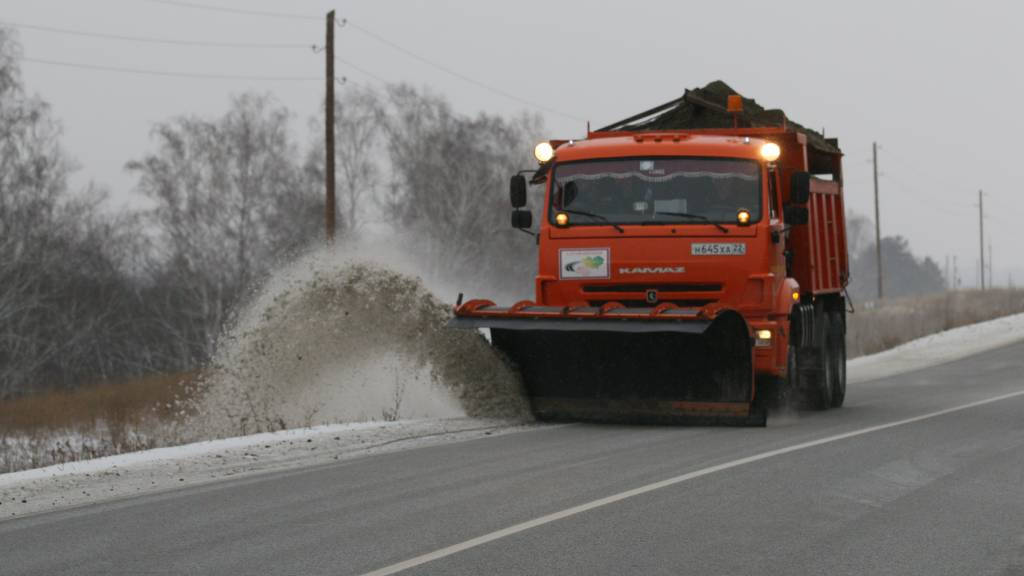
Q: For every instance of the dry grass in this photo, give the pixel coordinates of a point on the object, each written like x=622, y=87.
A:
x=882, y=325
x=93, y=421
x=113, y=403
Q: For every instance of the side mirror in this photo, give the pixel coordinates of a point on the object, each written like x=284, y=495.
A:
x=517, y=191
x=795, y=215
x=522, y=219
x=800, y=187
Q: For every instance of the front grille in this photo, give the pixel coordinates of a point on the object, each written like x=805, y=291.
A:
x=642, y=288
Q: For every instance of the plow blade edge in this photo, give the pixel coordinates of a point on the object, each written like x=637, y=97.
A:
x=631, y=370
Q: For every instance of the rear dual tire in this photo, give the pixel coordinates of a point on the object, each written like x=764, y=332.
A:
x=836, y=346
x=825, y=384
x=822, y=380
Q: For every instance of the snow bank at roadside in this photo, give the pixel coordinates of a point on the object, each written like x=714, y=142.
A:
x=937, y=349
x=136, y=473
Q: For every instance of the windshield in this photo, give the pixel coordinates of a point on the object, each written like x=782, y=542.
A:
x=656, y=190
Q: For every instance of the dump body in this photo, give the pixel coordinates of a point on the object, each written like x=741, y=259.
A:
x=679, y=270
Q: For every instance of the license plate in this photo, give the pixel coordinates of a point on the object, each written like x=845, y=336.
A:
x=718, y=249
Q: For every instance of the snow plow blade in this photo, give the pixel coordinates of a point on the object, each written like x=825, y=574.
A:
x=661, y=365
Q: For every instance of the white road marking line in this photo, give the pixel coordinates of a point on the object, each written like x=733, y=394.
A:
x=522, y=527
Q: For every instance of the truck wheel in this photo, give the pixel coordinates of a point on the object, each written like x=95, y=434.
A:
x=837, y=345
x=822, y=380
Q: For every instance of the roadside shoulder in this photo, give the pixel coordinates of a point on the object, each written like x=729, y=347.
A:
x=103, y=479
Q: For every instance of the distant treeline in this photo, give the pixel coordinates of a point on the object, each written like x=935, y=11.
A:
x=903, y=274
x=89, y=295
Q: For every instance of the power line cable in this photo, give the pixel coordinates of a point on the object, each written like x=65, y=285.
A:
x=925, y=202
x=149, y=40
x=164, y=73
x=451, y=72
x=377, y=37
x=361, y=70
x=226, y=9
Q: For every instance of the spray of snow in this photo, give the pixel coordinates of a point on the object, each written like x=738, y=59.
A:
x=337, y=336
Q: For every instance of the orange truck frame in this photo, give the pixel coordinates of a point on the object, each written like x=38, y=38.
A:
x=662, y=309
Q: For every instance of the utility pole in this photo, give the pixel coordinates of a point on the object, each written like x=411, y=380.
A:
x=878, y=223
x=981, y=236
x=956, y=275
x=329, y=206
x=991, y=283
x=948, y=281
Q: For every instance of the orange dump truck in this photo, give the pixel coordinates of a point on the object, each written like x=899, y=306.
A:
x=692, y=266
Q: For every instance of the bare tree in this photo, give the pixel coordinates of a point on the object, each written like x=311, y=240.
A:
x=450, y=185
x=358, y=121
x=228, y=192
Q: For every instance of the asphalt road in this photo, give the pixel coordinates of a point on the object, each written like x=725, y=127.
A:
x=908, y=478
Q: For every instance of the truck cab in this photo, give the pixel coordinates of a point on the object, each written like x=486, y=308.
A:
x=669, y=218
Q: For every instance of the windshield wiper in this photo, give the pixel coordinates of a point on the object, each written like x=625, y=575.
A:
x=696, y=216
x=595, y=216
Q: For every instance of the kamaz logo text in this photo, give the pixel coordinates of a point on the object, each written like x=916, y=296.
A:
x=653, y=270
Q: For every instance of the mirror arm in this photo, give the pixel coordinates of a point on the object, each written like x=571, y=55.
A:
x=536, y=235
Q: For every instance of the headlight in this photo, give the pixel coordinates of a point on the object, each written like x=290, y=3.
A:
x=562, y=219
x=743, y=216
x=770, y=151
x=543, y=152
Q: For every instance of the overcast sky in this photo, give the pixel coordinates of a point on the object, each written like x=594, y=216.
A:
x=937, y=84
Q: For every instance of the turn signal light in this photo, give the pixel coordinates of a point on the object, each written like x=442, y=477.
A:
x=796, y=296
x=743, y=216
x=562, y=219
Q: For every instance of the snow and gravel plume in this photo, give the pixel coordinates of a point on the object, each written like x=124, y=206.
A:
x=338, y=336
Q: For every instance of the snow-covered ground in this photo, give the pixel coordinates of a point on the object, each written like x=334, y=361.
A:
x=937, y=349
x=86, y=482
x=136, y=473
